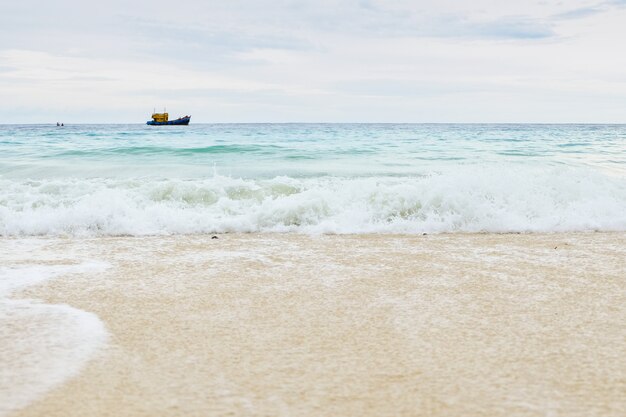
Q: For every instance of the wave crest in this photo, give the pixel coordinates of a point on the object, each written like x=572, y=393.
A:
x=466, y=199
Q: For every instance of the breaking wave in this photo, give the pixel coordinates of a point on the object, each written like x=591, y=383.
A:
x=466, y=199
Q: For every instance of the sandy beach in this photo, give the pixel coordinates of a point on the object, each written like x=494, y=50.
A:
x=356, y=325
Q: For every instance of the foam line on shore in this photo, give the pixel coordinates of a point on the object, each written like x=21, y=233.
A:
x=44, y=344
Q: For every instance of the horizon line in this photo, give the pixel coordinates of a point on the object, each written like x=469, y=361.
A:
x=313, y=123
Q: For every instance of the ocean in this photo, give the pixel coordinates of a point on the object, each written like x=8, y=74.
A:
x=395, y=283
x=101, y=180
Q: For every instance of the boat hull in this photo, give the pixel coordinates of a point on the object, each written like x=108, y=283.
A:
x=181, y=121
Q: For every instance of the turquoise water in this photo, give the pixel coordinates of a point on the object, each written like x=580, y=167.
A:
x=346, y=178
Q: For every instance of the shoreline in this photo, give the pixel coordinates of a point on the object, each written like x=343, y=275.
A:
x=293, y=324
x=304, y=233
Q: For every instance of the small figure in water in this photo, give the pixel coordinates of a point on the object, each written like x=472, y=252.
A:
x=61, y=124
x=58, y=124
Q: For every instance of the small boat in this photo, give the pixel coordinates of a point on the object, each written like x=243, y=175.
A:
x=161, y=119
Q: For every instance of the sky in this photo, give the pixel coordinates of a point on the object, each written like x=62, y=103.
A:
x=479, y=61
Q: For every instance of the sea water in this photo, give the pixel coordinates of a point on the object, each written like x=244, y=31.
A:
x=94, y=180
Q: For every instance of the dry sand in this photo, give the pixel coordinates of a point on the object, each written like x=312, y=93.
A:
x=291, y=325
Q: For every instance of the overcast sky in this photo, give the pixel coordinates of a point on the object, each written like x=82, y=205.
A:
x=313, y=61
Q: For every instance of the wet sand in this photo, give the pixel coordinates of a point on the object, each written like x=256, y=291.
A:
x=293, y=325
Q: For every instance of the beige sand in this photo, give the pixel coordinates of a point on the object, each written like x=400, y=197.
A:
x=290, y=325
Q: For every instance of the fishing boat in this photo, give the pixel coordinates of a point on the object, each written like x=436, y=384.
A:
x=161, y=119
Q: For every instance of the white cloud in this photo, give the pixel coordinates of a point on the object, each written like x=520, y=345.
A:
x=330, y=60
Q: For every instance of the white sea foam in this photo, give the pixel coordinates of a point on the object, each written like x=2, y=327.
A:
x=463, y=199
x=41, y=345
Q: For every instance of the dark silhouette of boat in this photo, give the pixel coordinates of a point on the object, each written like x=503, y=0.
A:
x=161, y=119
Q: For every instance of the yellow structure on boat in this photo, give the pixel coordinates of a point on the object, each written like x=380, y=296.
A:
x=160, y=117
